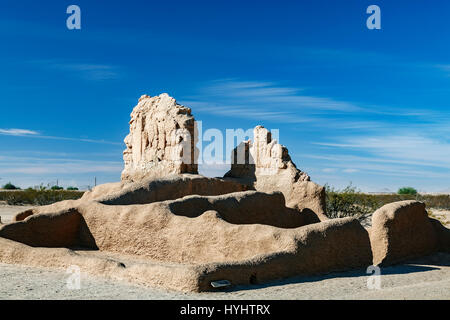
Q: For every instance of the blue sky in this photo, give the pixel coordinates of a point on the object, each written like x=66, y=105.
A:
x=352, y=105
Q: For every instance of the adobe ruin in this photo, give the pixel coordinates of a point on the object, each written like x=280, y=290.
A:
x=165, y=225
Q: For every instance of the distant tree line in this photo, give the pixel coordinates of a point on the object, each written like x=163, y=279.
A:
x=10, y=186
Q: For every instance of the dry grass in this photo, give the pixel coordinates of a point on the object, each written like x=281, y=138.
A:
x=38, y=197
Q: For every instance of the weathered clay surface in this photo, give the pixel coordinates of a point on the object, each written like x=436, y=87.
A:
x=228, y=241
x=161, y=140
x=401, y=230
x=121, y=228
x=443, y=235
x=160, y=189
x=266, y=165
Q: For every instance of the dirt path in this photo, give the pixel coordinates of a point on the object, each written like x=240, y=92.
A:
x=427, y=278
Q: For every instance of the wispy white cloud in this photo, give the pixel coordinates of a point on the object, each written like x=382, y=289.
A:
x=444, y=68
x=414, y=158
x=243, y=111
x=18, y=132
x=33, y=170
x=95, y=72
x=79, y=140
x=375, y=169
x=270, y=101
x=350, y=170
x=408, y=147
x=43, y=166
x=333, y=170
x=263, y=100
x=36, y=135
x=66, y=168
x=86, y=71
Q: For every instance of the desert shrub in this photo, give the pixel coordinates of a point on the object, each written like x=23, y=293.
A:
x=10, y=186
x=407, y=190
x=72, y=189
x=348, y=202
x=351, y=202
x=57, y=188
x=440, y=201
x=38, y=197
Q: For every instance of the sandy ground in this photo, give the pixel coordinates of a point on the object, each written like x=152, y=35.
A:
x=8, y=212
x=425, y=278
x=428, y=278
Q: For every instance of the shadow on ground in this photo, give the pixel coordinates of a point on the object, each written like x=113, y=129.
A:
x=424, y=264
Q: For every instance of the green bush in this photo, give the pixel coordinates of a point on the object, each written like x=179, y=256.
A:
x=72, y=189
x=10, y=186
x=348, y=202
x=351, y=202
x=407, y=190
x=57, y=188
x=38, y=197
